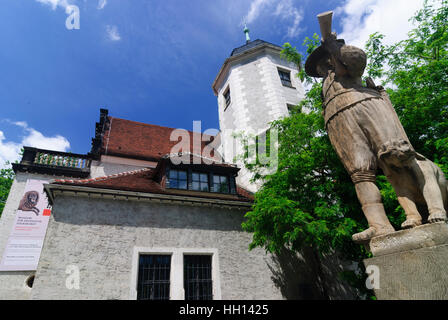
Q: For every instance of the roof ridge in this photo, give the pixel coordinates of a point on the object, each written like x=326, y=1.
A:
x=112, y=176
x=251, y=45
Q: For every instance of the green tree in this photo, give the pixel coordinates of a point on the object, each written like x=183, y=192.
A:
x=418, y=76
x=310, y=200
x=416, y=70
x=6, y=179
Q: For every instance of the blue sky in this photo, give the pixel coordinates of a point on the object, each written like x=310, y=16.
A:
x=145, y=60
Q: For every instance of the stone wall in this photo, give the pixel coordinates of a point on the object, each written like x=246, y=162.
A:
x=101, y=169
x=13, y=283
x=99, y=237
x=410, y=264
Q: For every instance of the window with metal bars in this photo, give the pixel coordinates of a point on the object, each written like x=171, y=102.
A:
x=285, y=77
x=198, y=284
x=154, y=277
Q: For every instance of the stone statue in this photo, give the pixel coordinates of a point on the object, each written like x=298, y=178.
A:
x=366, y=133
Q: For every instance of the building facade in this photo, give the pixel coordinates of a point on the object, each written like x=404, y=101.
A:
x=144, y=216
x=254, y=87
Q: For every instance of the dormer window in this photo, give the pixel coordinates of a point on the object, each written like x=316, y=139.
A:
x=199, y=181
x=227, y=96
x=220, y=184
x=201, y=178
x=178, y=179
x=285, y=77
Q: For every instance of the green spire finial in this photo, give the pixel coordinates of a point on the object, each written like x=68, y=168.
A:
x=246, y=31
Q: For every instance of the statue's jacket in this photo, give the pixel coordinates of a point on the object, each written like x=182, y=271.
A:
x=340, y=100
x=361, y=122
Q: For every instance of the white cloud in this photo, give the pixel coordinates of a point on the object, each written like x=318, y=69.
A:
x=55, y=3
x=112, y=33
x=287, y=10
x=38, y=140
x=281, y=9
x=9, y=150
x=360, y=18
x=22, y=124
x=255, y=8
x=101, y=4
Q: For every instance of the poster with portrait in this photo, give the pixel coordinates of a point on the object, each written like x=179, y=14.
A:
x=25, y=241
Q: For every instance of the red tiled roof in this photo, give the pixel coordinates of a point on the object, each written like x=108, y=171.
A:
x=141, y=181
x=138, y=140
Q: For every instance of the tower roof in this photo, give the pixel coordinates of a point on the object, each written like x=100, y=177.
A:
x=237, y=53
x=251, y=45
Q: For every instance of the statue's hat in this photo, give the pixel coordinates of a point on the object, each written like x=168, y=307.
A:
x=315, y=58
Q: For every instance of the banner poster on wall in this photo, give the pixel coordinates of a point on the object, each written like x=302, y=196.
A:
x=25, y=241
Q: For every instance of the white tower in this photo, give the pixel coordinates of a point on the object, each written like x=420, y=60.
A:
x=254, y=87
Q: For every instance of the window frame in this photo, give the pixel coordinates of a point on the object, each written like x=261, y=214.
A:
x=290, y=107
x=210, y=172
x=210, y=286
x=200, y=173
x=227, y=100
x=177, y=179
x=156, y=281
x=220, y=176
x=287, y=82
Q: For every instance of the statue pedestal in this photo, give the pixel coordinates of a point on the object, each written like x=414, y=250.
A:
x=412, y=264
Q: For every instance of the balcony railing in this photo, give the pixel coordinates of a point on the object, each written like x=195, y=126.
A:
x=45, y=158
x=54, y=163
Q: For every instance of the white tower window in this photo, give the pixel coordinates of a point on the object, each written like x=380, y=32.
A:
x=291, y=107
x=227, y=98
x=285, y=77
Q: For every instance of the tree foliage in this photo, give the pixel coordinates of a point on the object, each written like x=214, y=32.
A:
x=416, y=70
x=6, y=179
x=310, y=200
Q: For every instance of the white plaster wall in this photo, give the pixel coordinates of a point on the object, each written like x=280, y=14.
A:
x=101, y=169
x=100, y=237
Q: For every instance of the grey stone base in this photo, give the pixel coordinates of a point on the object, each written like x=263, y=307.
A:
x=412, y=264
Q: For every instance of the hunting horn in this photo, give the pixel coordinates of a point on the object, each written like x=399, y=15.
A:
x=325, y=23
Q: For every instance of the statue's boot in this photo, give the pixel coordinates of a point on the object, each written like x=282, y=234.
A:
x=378, y=223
